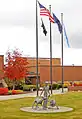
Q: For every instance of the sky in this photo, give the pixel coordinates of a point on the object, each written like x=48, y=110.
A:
x=18, y=28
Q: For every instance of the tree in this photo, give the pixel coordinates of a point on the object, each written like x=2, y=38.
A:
x=16, y=67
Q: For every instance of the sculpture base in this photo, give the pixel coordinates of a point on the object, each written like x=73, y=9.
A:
x=48, y=110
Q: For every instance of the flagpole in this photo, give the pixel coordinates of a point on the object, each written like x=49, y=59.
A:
x=50, y=52
x=62, y=53
x=36, y=48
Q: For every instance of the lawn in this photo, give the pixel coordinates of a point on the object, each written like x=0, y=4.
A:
x=10, y=109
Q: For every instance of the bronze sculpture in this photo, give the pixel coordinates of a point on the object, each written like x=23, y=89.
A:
x=44, y=99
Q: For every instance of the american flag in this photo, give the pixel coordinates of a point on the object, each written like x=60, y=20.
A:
x=45, y=12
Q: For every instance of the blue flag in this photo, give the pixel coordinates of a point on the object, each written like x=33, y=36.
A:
x=56, y=20
x=66, y=36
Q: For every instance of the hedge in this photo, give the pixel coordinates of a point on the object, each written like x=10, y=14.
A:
x=3, y=91
x=54, y=86
x=10, y=92
x=29, y=87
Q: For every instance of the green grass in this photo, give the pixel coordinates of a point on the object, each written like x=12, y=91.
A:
x=10, y=109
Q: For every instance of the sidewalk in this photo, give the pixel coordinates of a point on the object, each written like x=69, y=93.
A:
x=32, y=94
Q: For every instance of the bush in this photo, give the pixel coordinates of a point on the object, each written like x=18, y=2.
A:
x=54, y=86
x=3, y=91
x=65, y=86
x=25, y=88
x=67, y=83
x=17, y=92
x=10, y=92
x=59, y=86
x=75, y=84
x=29, y=87
x=19, y=87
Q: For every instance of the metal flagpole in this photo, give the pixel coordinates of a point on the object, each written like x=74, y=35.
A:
x=50, y=52
x=62, y=52
x=36, y=48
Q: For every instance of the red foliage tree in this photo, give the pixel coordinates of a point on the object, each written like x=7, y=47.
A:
x=16, y=67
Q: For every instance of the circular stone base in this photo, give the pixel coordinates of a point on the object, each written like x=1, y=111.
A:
x=48, y=110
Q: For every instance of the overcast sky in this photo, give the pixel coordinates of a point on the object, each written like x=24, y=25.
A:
x=17, y=28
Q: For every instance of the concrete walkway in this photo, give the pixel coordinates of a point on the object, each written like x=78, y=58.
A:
x=32, y=94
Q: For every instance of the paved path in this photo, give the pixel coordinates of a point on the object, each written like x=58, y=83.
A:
x=32, y=94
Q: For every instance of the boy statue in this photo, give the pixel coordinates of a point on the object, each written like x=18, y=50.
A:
x=46, y=94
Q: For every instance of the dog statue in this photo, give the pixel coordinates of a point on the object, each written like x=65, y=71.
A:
x=37, y=101
x=53, y=104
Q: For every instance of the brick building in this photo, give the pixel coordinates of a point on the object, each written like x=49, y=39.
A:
x=1, y=66
x=43, y=68
x=71, y=73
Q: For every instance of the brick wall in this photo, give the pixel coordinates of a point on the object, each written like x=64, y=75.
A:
x=71, y=73
x=1, y=65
